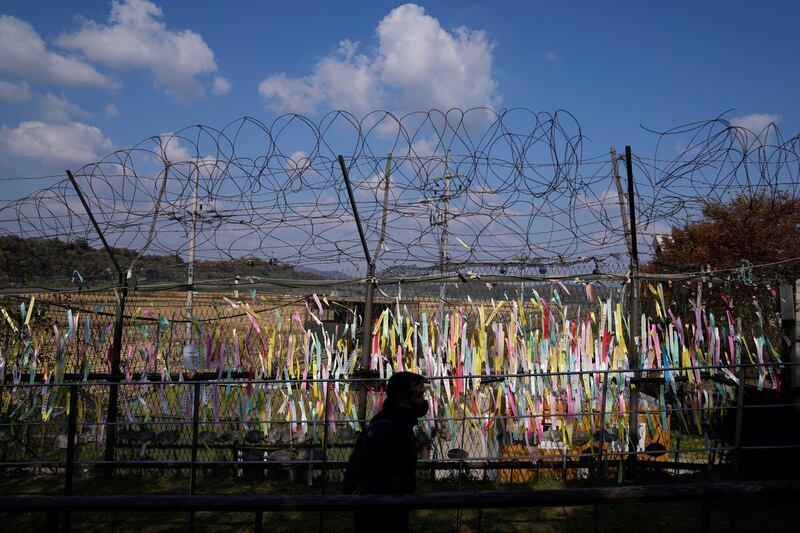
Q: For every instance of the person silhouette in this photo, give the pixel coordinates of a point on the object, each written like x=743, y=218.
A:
x=384, y=456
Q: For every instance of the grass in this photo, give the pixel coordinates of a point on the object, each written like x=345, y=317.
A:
x=773, y=513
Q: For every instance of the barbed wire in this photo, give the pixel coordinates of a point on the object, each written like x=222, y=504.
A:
x=468, y=190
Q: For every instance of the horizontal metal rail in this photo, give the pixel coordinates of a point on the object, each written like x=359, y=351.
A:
x=543, y=462
x=245, y=378
x=437, y=500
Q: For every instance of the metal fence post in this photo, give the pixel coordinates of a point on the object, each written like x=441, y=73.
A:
x=52, y=520
x=259, y=522
x=600, y=468
x=366, y=346
x=69, y=467
x=370, y=282
x=633, y=344
x=193, y=463
x=195, y=428
x=737, y=439
x=115, y=377
x=705, y=514
x=791, y=373
x=325, y=433
x=324, y=453
x=116, y=350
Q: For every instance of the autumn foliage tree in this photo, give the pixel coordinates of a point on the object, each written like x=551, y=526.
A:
x=752, y=244
x=750, y=230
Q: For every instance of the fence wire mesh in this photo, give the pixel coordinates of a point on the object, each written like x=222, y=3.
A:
x=516, y=384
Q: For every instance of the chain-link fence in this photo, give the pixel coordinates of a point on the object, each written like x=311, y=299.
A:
x=505, y=270
x=518, y=386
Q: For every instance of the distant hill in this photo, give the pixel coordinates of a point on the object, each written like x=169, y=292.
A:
x=58, y=263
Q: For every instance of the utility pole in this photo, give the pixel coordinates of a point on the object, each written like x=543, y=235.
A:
x=443, y=248
x=190, y=350
x=621, y=198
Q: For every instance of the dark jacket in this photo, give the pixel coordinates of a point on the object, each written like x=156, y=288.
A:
x=384, y=458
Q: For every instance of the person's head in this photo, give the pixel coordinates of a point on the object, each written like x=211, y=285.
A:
x=406, y=390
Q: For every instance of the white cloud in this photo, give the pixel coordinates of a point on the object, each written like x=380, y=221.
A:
x=59, y=109
x=424, y=147
x=52, y=108
x=297, y=162
x=756, y=122
x=171, y=149
x=348, y=79
x=759, y=127
x=73, y=142
x=657, y=227
x=433, y=67
x=15, y=93
x=416, y=65
x=290, y=95
x=111, y=110
x=23, y=53
x=552, y=57
x=370, y=189
x=220, y=86
x=598, y=202
x=136, y=37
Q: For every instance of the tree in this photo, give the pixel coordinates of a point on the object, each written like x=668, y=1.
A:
x=755, y=230
x=750, y=230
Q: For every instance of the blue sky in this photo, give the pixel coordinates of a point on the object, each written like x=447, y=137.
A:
x=614, y=68
x=80, y=79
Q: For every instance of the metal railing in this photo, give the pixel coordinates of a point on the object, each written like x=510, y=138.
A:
x=59, y=508
x=191, y=439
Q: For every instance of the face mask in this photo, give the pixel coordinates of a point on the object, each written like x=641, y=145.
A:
x=420, y=409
